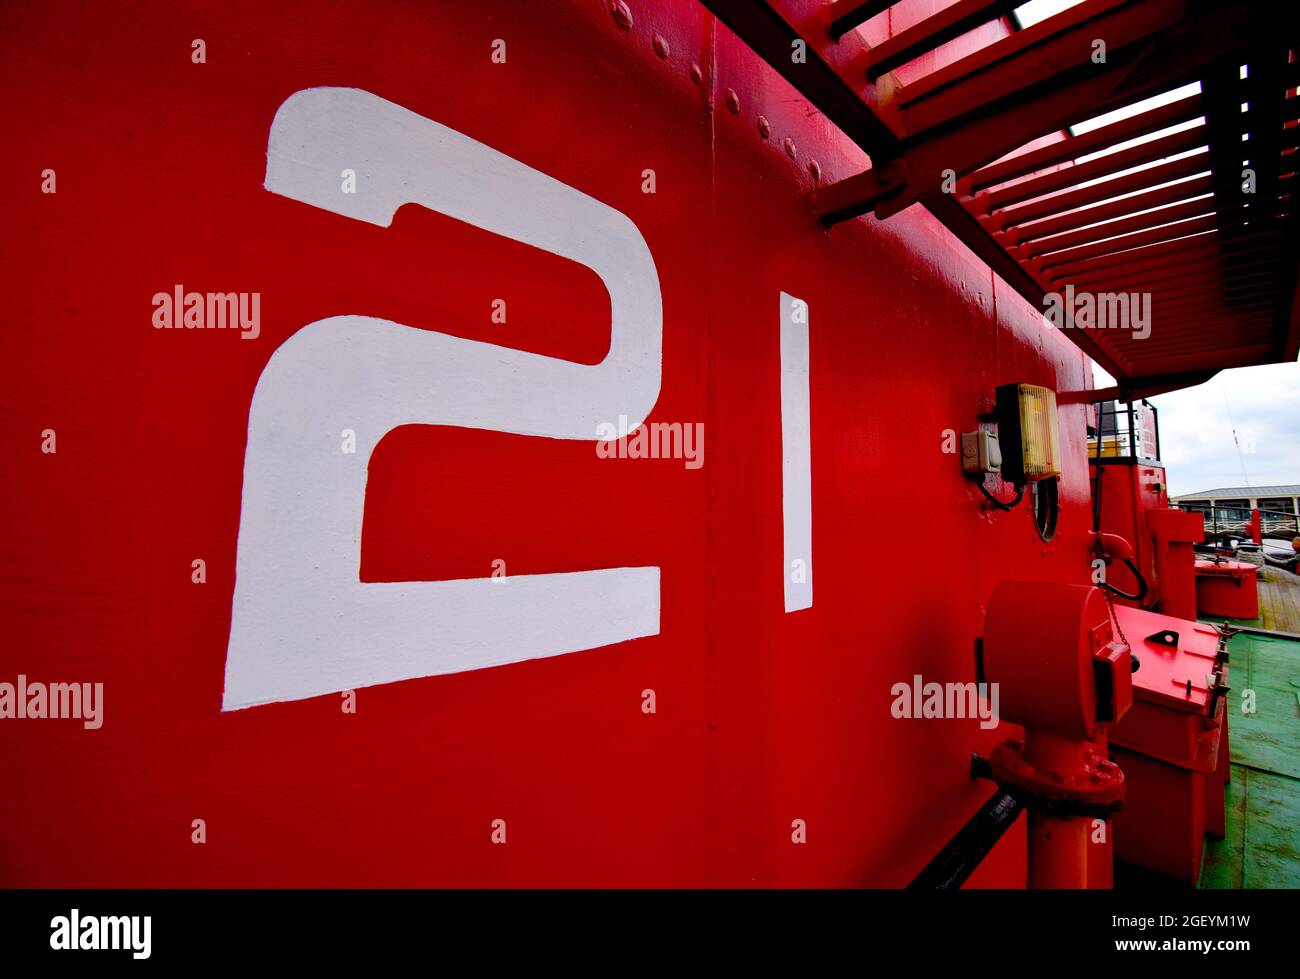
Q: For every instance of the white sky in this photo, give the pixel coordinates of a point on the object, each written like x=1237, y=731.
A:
x=1196, y=429
x=1035, y=10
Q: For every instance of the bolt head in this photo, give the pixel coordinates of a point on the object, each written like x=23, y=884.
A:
x=621, y=13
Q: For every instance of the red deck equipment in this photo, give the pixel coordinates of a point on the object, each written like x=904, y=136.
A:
x=1170, y=745
x=1131, y=502
x=1227, y=588
x=1173, y=532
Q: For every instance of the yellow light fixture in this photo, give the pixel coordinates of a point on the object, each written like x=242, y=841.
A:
x=1031, y=450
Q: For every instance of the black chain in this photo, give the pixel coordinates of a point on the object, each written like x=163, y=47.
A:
x=1110, y=602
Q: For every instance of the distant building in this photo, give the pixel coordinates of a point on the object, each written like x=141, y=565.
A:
x=1278, y=499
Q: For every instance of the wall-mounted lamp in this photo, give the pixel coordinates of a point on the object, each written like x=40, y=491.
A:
x=1024, y=447
x=1026, y=416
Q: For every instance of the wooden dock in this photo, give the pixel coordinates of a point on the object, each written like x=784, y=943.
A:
x=1279, y=600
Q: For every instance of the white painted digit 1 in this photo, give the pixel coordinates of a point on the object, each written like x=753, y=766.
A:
x=796, y=454
x=302, y=622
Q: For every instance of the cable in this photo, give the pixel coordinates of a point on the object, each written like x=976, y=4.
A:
x=1142, y=584
x=1233, y=429
x=1010, y=504
x=1047, y=507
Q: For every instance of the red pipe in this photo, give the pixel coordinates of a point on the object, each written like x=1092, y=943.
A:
x=1058, y=847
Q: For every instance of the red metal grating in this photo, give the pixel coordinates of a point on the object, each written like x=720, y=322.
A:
x=1001, y=143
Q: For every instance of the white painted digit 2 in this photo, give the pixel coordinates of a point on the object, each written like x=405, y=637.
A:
x=302, y=622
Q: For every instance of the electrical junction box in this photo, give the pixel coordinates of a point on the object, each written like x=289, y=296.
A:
x=980, y=452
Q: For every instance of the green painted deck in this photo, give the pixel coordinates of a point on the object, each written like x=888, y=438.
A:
x=1262, y=844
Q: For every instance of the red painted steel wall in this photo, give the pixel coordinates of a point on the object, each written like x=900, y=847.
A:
x=763, y=717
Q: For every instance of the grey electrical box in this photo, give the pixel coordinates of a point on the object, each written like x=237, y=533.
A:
x=980, y=452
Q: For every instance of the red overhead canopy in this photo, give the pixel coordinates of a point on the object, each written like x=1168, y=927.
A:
x=1218, y=261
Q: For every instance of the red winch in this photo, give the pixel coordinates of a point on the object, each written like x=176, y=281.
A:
x=1065, y=676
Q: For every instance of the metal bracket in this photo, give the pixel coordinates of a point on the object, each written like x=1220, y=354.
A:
x=856, y=195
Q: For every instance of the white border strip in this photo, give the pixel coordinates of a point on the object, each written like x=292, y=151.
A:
x=796, y=454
